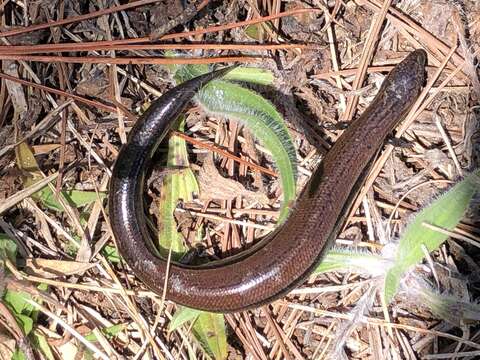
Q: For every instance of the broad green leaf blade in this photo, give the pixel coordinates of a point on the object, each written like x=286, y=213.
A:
x=346, y=260
x=263, y=120
x=210, y=330
x=445, y=213
x=16, y=301
x=177, y=185
x=25, y=322
x=24, y=312
x=246, y=74
x=181, y=316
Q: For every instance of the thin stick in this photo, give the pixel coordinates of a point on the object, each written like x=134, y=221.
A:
x=228, y=155
x=25, y=193
x=127, y=60
x=106, y=46
x=165, y=37
x=80, y=99
x=68, y=328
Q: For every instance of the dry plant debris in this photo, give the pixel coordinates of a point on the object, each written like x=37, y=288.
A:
x=76, y=74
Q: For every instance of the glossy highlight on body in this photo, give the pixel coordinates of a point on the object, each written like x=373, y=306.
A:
x=287, y=256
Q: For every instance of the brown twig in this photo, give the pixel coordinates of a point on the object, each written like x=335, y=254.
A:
x=107, y=46
x=228, y=155
x=80, y=99
x=127, y=60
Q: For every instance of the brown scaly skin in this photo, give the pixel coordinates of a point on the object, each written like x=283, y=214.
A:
x=287, y=256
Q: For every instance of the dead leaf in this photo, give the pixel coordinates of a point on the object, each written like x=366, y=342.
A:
x=55, y=268
x=215, y=186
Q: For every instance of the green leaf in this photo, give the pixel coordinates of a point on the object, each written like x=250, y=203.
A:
x=392, y=281
x=182, y=73
x=24, y=312
x=177, y=185
x=346, y=260
x=246, y=74
x=181, y=316
x=16, y=301
x=26, y=161
x=91, y=337
x=251, y=75
x=41, y=343
x=111, y=254
x=210, y=330
x=25, y=322
x=8, y=248
x=109, y=332
x=42, y=287
x=254, y=31
x=114, y=330
x=445, y=212
x=258, y=114
x=76, y=198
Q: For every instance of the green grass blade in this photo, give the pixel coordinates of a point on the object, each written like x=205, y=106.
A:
x=266, y=124
x=41, y=343
x=18, y=355
x=445, y=213
x=347, y=260
x=251, y=75
x=208, y=328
